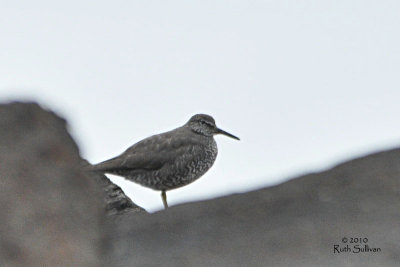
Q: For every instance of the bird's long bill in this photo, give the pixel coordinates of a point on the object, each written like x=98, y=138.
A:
x=227, y=134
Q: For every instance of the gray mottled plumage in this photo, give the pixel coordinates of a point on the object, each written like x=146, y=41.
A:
x=169, y=160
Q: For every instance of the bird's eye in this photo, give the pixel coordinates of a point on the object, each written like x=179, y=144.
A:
x=206, y=123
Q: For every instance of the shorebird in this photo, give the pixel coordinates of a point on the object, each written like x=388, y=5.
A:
x=169, y=160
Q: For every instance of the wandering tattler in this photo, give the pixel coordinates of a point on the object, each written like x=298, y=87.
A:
x=169, y=160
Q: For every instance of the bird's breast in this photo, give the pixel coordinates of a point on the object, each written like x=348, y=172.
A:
x=194, y=164
x=205, y=160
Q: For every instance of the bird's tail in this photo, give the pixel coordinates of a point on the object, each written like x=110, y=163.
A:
x=105, y=166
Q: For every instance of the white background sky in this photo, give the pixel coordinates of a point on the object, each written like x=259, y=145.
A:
x=304, y=84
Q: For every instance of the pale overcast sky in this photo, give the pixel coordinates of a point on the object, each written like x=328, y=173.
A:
x=304, y=84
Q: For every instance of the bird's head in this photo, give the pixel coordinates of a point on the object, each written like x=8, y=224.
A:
x=205, y=125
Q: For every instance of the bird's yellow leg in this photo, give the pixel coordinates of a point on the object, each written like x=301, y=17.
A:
x=164, y=199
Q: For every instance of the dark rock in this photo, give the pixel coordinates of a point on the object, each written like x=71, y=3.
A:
x=297, y=223
x=116, y=202
x=51, y=213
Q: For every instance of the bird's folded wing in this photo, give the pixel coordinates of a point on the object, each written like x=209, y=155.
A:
x=157, y=159
x=147, y=155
